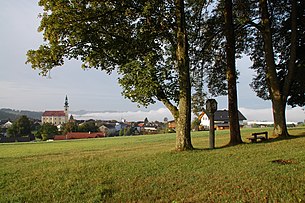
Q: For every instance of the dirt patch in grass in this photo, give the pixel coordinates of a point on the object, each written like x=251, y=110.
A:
x=285, y=161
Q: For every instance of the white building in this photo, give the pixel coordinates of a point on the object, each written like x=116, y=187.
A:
x=56, y=118
x=221, y=118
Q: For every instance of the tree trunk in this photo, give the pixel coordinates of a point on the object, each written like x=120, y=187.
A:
x=235, y=137
x=183, y=131
x=280, y=127
x=279, y=104
x=277, y=96
x=183, y=120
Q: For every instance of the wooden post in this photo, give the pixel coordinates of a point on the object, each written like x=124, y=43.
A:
x=212, y=131
x=211, y=107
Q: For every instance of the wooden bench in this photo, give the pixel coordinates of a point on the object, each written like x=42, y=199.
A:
x=255, y=136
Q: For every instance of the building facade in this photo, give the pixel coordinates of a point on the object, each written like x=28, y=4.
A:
x=56, y=117
x=221, y=118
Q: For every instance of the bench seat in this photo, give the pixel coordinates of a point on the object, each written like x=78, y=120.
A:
x=255, y=136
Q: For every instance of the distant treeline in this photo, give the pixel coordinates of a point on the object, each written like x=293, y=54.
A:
x=11, y=114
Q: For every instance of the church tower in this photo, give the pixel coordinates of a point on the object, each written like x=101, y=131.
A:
x=66, y=109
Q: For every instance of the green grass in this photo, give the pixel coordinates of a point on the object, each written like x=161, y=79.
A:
x=147, y=169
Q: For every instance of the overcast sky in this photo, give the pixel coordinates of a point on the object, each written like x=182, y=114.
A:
x=22, y=88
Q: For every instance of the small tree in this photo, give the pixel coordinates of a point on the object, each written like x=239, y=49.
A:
x=69, y=127
x=121, y=132
x=21, y=127
x=88, y=126
x=46, y=131
x=195, y=124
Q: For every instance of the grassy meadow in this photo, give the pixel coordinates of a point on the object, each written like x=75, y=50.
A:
x=147, y=169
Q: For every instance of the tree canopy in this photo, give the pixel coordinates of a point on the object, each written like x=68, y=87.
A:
x=88, y=126
x=145, y=41
x=272, y=34
x=166, y=50
x=276, y=42
x=21, y=127
x=46, y=131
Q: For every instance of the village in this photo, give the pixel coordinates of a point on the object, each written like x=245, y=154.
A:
x=60, y=125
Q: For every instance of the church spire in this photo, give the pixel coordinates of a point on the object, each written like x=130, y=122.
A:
x=66, y=109
x=66, y=102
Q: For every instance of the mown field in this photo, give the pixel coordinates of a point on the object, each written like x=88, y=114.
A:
x=147, y=169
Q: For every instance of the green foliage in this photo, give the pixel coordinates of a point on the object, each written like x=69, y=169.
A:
x=208, y=51
x=195, y=124
x=145, y=169
x=45, y=137
x=108, y=34
x=144, y=41
x=127, y=132
x=281, y=27
x=297, y=90
x=69, y=127
x=46, y=131
x=21, y=127
x=88, y=126
x=121, y=132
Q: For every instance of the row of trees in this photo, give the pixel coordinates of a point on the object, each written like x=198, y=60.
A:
x=167, y=50
x=23, y=126
x=48, y=130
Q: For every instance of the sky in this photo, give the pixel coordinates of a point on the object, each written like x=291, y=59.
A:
x=22, y=88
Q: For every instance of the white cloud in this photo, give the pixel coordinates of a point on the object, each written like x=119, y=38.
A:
x=151, y=115
x=257, y=114
x=293, y=115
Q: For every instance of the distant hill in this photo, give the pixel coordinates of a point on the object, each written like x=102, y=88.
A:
x=10, y=114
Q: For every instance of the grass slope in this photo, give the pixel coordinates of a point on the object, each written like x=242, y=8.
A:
x=147, y=169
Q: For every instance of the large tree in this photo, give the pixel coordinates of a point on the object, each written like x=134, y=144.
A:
x=214, y=59
x=276, y=43
x=235, y=137
x=145, y=41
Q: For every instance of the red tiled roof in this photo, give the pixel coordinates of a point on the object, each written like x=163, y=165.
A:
x=141, y=124
x=59, y=137
x=54, y=113
x=79, y=135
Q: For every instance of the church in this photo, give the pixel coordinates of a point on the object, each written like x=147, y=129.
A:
x=56, y=117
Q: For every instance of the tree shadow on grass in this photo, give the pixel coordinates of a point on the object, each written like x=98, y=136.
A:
x=216, y=148
x=269, y=140
x=278, y=139
x=290, y=137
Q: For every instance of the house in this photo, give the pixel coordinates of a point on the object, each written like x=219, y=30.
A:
x=221, y=118
x=56, y=118
x=7, y=124
x=150, y=128
x=4, y=126
x=171, y=125
x=109, y=129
